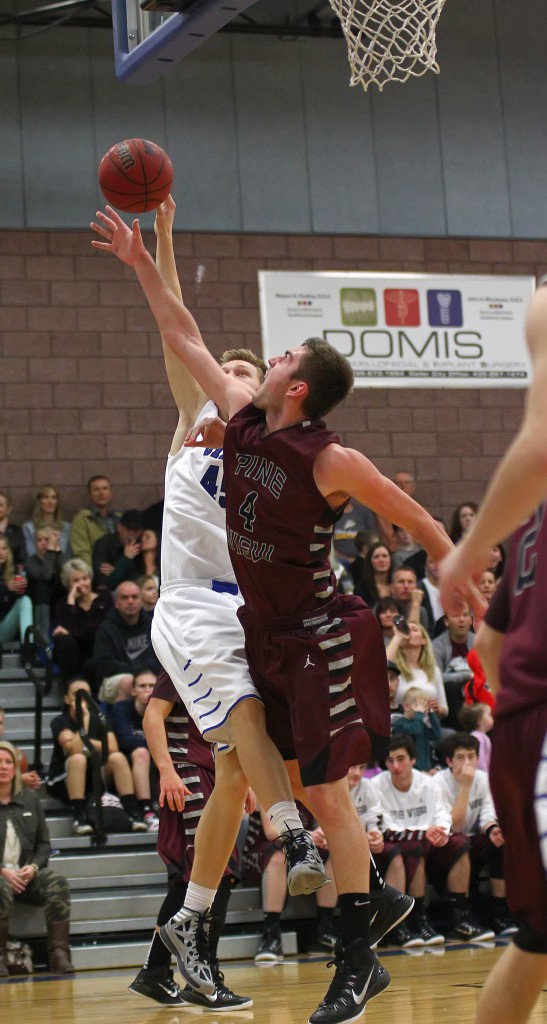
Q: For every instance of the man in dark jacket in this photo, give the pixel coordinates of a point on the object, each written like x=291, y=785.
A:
x=115, y=556
x=122, y=642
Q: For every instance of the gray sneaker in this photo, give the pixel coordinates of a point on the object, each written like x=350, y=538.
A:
x=185, y=935
x=306, y=871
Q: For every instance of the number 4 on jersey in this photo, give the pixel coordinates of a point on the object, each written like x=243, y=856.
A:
x=247, y=510
x=210, y=482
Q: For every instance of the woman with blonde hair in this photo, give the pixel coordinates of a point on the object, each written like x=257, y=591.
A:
x=24, y=875
x=414, y=656
x=46, y=511
x=77, y=617
x=15, y=605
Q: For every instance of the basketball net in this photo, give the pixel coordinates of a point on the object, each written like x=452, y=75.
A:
x=389, y=40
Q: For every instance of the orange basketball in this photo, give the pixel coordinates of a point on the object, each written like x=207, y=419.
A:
x=135, y=175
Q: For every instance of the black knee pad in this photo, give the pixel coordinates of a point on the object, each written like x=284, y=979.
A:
x=530, y=941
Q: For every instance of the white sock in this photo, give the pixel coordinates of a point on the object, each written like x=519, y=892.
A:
x=285, y=816
x=199, y=898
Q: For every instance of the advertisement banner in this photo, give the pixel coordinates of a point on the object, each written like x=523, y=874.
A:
x=405, y=330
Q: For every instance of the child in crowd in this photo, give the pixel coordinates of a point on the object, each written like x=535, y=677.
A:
x=43, y=570
x=420, y=723
x=478, y=720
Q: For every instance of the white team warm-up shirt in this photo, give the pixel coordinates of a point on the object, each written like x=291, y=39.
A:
x=480, y=808
x=422, y=806
x=367, y=802
x=193, y=543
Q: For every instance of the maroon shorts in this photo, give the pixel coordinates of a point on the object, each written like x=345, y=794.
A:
x=516, y=757
x=324, y=688
x=177, y=829
x=440, y=859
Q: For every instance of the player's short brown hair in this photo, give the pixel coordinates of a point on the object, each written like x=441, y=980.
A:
x=245, y=356
x=328, y=375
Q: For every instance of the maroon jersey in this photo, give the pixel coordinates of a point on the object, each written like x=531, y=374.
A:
x=279, y=525
x=185, y=743
x=518, y=610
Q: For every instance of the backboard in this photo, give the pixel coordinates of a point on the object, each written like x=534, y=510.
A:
x=147, y=42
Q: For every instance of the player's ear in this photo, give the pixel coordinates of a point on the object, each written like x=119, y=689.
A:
x=298, y=389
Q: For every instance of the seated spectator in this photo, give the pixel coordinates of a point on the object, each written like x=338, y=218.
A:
x=355, y=517
x=43, y=571
x=467, y=791
x=150, y=557
x=30, y=779
x=126, y=718
x=387, y=857
x=451, y=649
x=149, y=593
x=77, y=617
x=477, y=720
x=375, y=574
x=46, y=511
x=487, y=584
x=95, y=521
x=15, y=604
x=113, y=689
x=24, y=875
x=122, y=641
x=432, y=598
x=420, y=723
x=497, y=560
x=12, y=533
x=414, y=656
x=264, y=864
x=462, y=519
x=386, y=611
x=417, y=817
x=115, y=556
x=364, y=539
x=70, y=777
x=404, y=589
x=406, y=547
x=396, y=709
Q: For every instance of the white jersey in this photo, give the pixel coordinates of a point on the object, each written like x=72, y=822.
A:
x=480, y=806
x=367, y=802
x=194, y=519
x=414, y=810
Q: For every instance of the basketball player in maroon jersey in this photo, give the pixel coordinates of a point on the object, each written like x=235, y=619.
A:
x=316, y=657
x=512, y=646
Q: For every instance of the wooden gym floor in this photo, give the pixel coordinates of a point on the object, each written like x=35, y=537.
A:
x=425, y=989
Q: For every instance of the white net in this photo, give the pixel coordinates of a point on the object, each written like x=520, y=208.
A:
x=389, y=40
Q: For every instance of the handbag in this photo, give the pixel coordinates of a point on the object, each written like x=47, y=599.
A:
x=18, y=957
x=115, y=819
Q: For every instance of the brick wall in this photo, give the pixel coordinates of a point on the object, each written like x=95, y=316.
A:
x=82, y=386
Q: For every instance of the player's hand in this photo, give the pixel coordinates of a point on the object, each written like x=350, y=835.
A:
x=496, y=836
x=458, y=590
x=437, y=836
x=173, y=790
x=165, y=215
x=375, y=841
x=124, y=242
x=249, y=805
x=319, y=838
x=208, y=434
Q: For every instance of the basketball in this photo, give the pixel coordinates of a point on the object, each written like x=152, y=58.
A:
x=135, y=175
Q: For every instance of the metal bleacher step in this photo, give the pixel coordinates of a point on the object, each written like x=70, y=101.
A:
x=21, y=725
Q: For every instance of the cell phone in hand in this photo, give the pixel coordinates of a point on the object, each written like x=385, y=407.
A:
x=401, y=624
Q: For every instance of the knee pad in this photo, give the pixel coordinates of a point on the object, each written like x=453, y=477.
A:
x=530, y=941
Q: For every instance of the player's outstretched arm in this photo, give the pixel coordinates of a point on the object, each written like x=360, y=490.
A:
x=343, y=471
x=519, y=484
x=172, y=787
x=177, y=326
x=188, y=395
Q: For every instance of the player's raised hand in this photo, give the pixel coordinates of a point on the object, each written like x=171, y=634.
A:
x=124, y=242
x=457, y=587
x=165, y=215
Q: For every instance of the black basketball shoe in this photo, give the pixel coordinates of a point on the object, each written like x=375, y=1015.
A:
x=388, y=908
x=158, y=985
x=222, y=999
x=359, y=976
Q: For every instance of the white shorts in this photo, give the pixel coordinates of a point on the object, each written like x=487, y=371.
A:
x=200, y=643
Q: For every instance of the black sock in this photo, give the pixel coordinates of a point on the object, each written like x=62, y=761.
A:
x=130, y=805
x=499, y=904
x=145, y=806
x=418, y=909
x=271, y=920
x=78, y=809
x=325, y=916
x=158, y=955
x=459, y=900
x=219, y=910
x=354, y=917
